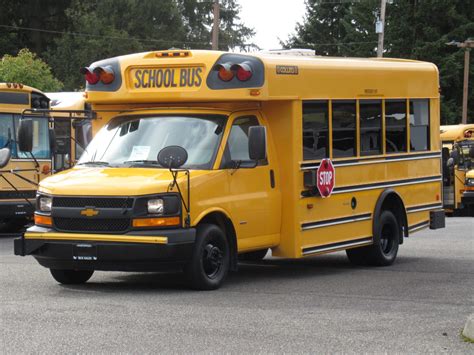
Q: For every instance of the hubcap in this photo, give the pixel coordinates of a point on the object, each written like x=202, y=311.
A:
x=212, y=260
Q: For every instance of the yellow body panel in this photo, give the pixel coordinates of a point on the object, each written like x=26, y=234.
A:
x=261, y=215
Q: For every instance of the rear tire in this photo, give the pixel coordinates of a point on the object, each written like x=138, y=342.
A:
x=71, y=277
x=253, y=255
x=385, y=249
x=210, y=262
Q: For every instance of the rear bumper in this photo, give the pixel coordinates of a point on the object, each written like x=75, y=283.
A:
x=16, y=209
x=467, y=198
x=153, y=250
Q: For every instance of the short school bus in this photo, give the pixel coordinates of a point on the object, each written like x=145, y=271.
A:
x=20, y=172
x=250, y=132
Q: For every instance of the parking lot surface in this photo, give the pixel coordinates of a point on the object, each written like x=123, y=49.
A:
x=318, y=304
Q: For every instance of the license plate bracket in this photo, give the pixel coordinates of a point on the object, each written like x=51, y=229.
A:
x=84, y=252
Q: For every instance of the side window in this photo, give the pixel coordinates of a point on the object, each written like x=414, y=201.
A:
x=343, y=128
x=237, y=148
x=395, y=126
x=315, y=130
x=370, y=127
x=419, y=125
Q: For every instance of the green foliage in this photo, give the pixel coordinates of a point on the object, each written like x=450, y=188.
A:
x=414, y=29
x=28, y=69
x=79, y=32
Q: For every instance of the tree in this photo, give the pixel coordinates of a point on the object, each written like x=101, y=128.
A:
x=28, y=69
x=414, y=29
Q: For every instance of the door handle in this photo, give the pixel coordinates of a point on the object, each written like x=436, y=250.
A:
x=272, y=179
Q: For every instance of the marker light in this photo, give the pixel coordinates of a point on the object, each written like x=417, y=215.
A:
x=105, y=74
x=43, y=220
x=243, y=71
x=156, y=222
x=224, y=71
x=91, y=77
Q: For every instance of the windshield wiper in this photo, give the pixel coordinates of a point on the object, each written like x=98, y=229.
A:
x=92, y=162
x=132, y=163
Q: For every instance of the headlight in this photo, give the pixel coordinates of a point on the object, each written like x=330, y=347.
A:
x=470, y=182
x=45, y=203
x=155, y=206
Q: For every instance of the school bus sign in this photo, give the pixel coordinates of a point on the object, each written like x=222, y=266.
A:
x=325, y=178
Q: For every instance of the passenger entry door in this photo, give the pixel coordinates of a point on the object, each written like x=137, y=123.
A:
x=254, y=198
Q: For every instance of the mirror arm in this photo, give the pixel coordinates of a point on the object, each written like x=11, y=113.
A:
x=36, y=161
x=16, y=190
x=187, y=205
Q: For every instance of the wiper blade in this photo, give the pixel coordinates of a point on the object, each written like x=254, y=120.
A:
x=153, y=163
x=102, y=163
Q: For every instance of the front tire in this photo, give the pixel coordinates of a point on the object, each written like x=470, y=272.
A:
x=210, y=262
x=385, y=249
x=71, y=277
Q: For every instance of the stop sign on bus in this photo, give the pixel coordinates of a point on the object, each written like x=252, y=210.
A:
x=325, y=178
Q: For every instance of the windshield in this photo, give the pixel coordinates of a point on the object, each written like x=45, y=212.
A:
x=8, y=131
x=136, y=140
x=465, y=161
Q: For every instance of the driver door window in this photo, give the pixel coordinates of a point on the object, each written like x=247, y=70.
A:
x=237, y=148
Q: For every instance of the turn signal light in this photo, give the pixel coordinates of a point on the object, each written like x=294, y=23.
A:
x=90, y=76
x=156, y=222
x=43, y=220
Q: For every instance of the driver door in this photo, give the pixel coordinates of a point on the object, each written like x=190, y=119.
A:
x=254, y=200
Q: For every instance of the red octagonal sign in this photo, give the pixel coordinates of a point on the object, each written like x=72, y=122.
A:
x=326, y=178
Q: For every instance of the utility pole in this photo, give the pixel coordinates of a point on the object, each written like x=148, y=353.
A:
x=380, y=28
x=467, y=45
x=215, y=26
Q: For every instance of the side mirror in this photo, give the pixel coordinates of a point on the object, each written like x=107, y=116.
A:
x=450, y=163
x=471, y=152
x=172, y=157
x=257, y=143
x=52, y=141
x=25, y=135
x=455, y=156
x=5, y=155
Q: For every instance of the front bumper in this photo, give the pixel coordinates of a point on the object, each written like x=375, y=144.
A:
x=134, y=251
x=467, y=198
x=16, y=209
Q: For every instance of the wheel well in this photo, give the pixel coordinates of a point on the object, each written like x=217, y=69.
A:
x=221, y=220
x=389, y=200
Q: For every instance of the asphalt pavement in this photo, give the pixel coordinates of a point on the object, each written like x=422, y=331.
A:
x=316, y=305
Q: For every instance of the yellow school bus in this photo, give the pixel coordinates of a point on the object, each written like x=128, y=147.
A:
x=20, y=172
x=209, y=157
x=458, y=172
x=72, y=127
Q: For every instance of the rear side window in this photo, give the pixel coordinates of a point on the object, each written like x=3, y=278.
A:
x=370, y=112
x=315, y=130
x=344, y=128
x=419, y=125
x=396, y=126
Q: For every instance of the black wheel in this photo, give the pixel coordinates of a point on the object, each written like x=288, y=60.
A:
x=71, y=277
x=209, y=265
x=384, y=251
x=253, y=255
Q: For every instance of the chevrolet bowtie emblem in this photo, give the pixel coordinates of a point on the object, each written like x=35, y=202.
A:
x=89, y=212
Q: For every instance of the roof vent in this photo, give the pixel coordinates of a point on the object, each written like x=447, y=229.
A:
x=300, y=52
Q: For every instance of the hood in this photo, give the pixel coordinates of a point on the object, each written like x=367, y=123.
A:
x=470, y=174
x=100, y=181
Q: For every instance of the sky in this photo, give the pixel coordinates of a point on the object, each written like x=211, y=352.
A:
x=271, y=19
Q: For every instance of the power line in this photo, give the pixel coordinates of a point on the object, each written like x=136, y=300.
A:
x=100, y=36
